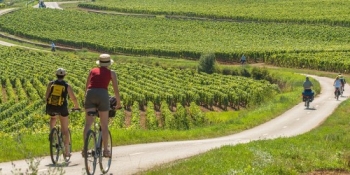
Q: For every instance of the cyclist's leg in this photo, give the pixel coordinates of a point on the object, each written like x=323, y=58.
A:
x=65, y=134
x=90, y=106
x=50, y=111
x=88, y=121
x=104, y=127
x=52, y=122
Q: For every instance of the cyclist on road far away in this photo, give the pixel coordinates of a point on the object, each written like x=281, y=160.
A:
x=60, y=108
x=342, y=80
x=337, y=84
x=97, y=97
x=307, y=88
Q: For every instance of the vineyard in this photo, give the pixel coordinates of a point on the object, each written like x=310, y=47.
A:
x=173, y=37
x=162, y=92
x=330, y=12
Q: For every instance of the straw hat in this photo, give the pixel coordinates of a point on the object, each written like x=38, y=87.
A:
x=104, y=60
x=60, y=71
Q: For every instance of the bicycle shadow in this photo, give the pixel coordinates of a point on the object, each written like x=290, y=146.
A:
x=313, y=108
x=63, y=164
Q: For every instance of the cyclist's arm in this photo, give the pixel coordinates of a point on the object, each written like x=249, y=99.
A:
x=87, y=82
x=73, y=97
x=116, y=88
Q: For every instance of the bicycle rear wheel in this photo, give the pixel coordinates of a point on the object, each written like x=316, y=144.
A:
x=54, y=145
x=105, y=162
x=89, y=152
x=70, y=147
x=338, y=94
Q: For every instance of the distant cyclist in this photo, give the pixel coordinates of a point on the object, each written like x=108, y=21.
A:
x=307, y=88
x=342, y=80
x=337, y=84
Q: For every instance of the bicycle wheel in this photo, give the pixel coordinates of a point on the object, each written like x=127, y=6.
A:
x=70, y=147
x=54, y=146
x=105, y=162
x=89, y=152
x=338, y=93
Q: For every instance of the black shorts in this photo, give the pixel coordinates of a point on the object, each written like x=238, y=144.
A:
x=59, y=110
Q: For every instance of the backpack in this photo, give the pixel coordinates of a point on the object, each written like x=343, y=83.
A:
x=57, y=94
x=112, y=104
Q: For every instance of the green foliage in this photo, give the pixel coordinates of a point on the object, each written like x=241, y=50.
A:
x=330, y=12
x=207, y=63
x=174, y=37
x=167, y=116
x=196, y=116
x=119, y=120
x=151, y=118
x=181, y=118
x=135, y=116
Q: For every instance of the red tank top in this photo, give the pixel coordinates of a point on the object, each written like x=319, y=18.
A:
x=100, y=78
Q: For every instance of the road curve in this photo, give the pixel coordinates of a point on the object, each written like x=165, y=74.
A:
x=131, y=159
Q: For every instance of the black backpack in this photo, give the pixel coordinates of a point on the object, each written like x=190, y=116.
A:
x=112, y=104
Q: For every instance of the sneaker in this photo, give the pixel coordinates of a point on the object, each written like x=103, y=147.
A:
x=106, y=153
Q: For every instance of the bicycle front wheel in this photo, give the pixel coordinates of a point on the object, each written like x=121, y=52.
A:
x=89, y=152
x=105, y=161
x=54, y=145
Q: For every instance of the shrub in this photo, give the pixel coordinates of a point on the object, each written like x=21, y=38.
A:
x=207, y=63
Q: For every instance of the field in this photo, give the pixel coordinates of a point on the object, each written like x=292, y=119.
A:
x=176, y=37
x=293, y=11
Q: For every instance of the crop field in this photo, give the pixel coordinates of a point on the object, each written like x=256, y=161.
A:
x=173, y=37
x=332, y=12
x=150, y=87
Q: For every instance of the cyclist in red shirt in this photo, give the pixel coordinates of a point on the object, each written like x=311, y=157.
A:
x=97, y=97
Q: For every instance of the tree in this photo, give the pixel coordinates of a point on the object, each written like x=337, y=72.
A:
x=207, y=63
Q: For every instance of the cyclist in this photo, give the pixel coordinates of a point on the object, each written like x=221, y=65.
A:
x=61, y=109
x=307, y=88
x=97, y=97
x=337, y=84
x=342, y=80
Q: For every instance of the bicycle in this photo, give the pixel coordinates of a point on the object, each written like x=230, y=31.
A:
x=57, y=144
x=92, y=151
x=337, y=93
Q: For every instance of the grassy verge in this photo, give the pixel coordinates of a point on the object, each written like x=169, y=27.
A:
x=297, y=155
